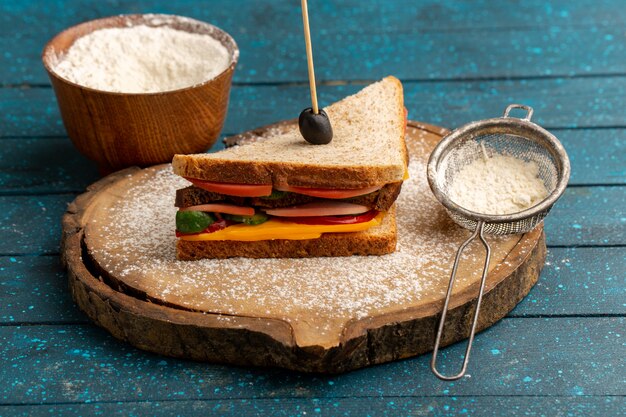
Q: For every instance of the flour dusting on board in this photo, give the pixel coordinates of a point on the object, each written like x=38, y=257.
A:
x=137, y=244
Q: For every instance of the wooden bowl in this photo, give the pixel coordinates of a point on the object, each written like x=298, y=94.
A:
x=118, y=130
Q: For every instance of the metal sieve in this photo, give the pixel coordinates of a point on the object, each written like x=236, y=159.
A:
x=511, y=136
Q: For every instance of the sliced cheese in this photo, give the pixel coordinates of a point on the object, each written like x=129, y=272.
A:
x=280, y=229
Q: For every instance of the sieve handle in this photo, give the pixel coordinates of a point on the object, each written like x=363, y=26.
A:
x=433, y=363
x=529, y=110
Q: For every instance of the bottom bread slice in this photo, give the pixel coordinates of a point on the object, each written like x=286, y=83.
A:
x=378, y=240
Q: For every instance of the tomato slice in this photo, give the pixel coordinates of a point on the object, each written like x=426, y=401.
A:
x=359, y=218
x=264, y=190
x=327, y=193
x=222, y=208
x=319, y=208
x=238, y=190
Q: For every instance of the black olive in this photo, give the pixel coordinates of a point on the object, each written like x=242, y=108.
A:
x=315, y=128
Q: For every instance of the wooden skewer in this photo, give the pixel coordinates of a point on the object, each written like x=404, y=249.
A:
x=309, y=56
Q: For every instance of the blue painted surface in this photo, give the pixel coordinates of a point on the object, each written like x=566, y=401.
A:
x=419, y=40
x=105, y=369
x=442, y=406
x=592, y=102
x=560, y=352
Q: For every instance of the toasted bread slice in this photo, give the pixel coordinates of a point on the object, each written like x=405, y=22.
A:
x=367, y=148
x=378, y=240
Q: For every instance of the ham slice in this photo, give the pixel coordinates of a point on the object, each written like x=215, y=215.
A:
x=319, y=208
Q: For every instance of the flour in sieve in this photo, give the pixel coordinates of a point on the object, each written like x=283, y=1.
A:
x=142, y=59
x=498, y=184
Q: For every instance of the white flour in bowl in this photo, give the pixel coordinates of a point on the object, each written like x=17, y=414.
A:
x=142, y=59
x=498, y=184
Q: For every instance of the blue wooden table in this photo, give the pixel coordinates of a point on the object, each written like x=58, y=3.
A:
x=561, y=352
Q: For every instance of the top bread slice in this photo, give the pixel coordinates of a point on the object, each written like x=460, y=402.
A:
x=367, y=149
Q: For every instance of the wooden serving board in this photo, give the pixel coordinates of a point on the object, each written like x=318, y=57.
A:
x=324, y=315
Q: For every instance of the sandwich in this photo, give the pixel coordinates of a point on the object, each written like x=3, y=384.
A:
x=279, y=196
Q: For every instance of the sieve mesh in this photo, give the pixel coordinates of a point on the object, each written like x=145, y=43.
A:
x=509, y=136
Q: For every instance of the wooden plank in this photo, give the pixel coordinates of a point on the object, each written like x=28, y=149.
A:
x=46, y=165
x=401, y=15
x=516, y=357
x=597, y=155
x=579, y=219
x=32, y=224
x=29, y=112
x=574, y=281
x=419, y=40
x=33, y=289
x=559, y=103
x=442, y=406
x=583, y=216
x=578, y=281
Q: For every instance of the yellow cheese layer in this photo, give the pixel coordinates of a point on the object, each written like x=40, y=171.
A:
x=280, y=229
